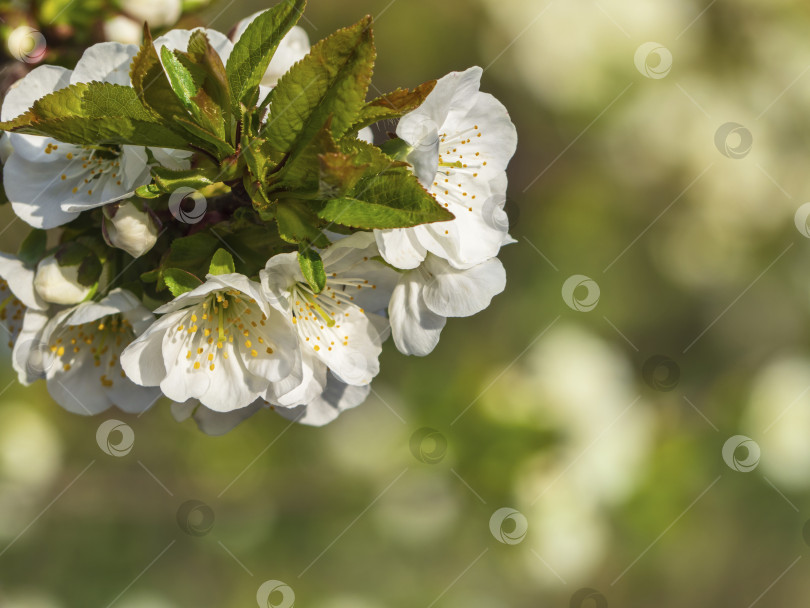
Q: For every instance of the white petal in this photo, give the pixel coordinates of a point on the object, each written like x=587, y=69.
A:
x=292, y=49
x=30, y=357
x=453, y=95
x=415, y=328
x=216, y=424
x=21, y=281
x=36, y=193
x=105, y=62
x=117, y=301
x=496, y=137
x=134, y=167
x=36, y=84
x=477, y=233
x=335, y=399
x=142, y=360
x=77, y=389
x=178, y=40
x=400, y=247
x=462, y=293
x=35, y=148
x=366, y=135
x=277, y=336
x=131, y=398
x=305, y=383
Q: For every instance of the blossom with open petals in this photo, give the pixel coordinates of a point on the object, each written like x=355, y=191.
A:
x=425, y=297
x=339, y=325
x=462, y=140
x=221, y=344
x=78, y=353
x=50, y=182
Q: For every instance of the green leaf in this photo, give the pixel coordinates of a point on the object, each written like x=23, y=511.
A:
x=89, y=271
x=255, y=48
x=297, y=223
x=168, y=180
x=207, y=140
x=256, y=157
x=32, y=249
x=71, y=254
x=180, y=281
x=300, y=173
x=378, y=161
x=385, y=201
x=251, y=242
x=331, y=81
x=192, y=253
x=172, y=93
x=214, y=91
x=180, y=79
x=222, y=263
x=312, y=268
x=339, y=173
x=393, y=105
x=96, y=113
x=150, y=82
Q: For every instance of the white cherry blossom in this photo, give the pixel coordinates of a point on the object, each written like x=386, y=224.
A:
x=340, y=325
x=78, y=352
x=427, y=295
x=50, y=182
x=462, y=140
x=221, y=344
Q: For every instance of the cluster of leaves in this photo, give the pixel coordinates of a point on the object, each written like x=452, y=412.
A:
x=278, y=172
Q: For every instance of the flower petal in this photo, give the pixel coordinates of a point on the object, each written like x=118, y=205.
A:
x=36, y=84
x=177, y=40
x=415, y=328
x=21, y=281
x=335, y=399
x=305, y=383
x=462, y=293
x=210, y=422
x=105, y=62
x=400, y=247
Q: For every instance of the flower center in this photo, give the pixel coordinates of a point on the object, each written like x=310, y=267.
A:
x=458, y=156
x=225, y=322
x=102, y=341
x=90, y=165
x=313, y=313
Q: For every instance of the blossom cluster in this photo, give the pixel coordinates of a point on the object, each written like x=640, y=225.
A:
x=214, y=224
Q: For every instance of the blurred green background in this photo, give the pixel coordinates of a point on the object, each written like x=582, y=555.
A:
x=603, y=428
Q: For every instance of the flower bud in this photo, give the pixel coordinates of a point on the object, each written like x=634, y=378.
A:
x=127, y=227
x=156, y=13
x=59, y=284
x=124, y=30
